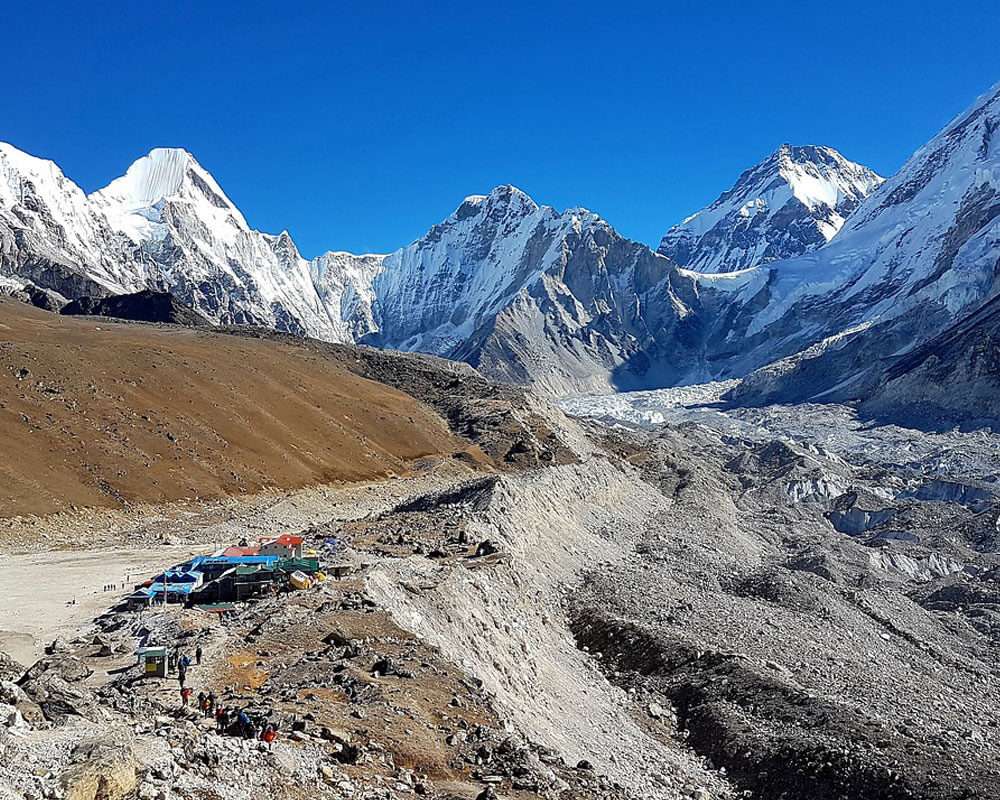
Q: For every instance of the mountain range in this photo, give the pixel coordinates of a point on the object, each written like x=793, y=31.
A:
x=808, y=278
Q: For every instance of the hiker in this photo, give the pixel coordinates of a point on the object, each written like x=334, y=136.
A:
x=181, y=673
x=211, y=704
x=185, y=695
x=245, y=723
x=185, y=661
x=201, y=702
x=172, y=661
x=268, y=736
x=221, y=720
x=197, y=655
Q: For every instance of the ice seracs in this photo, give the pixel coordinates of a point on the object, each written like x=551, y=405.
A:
x=791, y=203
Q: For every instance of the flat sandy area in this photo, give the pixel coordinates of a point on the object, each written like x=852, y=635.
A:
x=52, y=594
x=38, y=587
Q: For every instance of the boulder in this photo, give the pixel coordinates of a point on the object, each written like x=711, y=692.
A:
x=11, y=718
x=13, y=695
x=10, y=670
x=56, y=685
x=100, y=770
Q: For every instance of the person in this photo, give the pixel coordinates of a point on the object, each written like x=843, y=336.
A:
x=245, y=723
x=221, y=719
x=201, y=701
x=185, y=695
x=172, y=660
x=185, y=661
x=211, y=704
x=181, y=673
x=268, y=736
x=197, y=655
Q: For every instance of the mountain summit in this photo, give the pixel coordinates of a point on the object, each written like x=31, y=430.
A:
x=792, y=202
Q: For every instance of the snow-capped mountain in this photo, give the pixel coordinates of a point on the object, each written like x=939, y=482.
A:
x=50, y=233
x=915, y=256
x=532, y=295
x=194, y=242
x=559, y=299
x=523, y=291
x=791, y=203
x=167, y=224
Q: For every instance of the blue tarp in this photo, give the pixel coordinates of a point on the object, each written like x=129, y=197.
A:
x=229, y=561
x=173, y=576
x=156, y=588
x=182, y=579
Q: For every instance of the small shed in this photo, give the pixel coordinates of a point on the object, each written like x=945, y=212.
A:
x=153, y=661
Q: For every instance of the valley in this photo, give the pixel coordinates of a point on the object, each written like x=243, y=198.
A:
x=678, y=599
x=521, y=509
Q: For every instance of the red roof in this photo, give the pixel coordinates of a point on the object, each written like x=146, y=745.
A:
x=241, y=551
x=288, y=540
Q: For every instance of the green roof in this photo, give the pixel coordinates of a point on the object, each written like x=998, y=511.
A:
x=303, y=564
x=252, y=569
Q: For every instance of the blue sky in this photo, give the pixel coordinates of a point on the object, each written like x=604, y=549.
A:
x=358, y=126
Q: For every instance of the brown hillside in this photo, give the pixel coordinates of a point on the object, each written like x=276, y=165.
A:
x=97, y=413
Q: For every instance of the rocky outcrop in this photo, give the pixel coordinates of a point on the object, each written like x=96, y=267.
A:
x=10, y=669
x=56, y=685
x=101, y=769
x=144, y=306
x=952, y=379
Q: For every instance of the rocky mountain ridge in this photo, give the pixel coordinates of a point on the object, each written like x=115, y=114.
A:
x=919, y=254
x=528, y=293
x=793, y=202
x=560, y=300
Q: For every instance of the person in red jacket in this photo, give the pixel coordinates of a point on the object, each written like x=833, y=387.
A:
x=185, y=695
x=268, y=736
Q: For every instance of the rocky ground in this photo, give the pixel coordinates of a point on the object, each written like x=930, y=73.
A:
x=367, y=706
x=778, y=602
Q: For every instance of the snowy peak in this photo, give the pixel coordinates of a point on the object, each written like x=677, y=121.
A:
x=44, y=213
x=17, y=167
x=920, y=252
x=961, y=158
x=792, y=202
x=165, y=173
x=503, y=203
x=136, y=200
x=820, y=177
x=30, y=183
